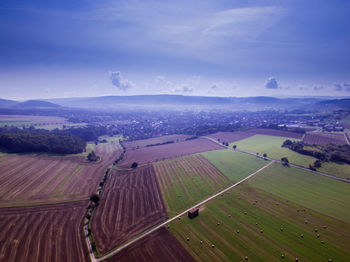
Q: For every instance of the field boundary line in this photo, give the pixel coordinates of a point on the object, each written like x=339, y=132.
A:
x=346, y=138
x=279, y=161
x=181, y=214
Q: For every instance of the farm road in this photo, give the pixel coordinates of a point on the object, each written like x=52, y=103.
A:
x=181, y=214
x=279, y=161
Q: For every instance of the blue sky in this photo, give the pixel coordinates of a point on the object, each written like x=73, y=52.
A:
x=212, y=48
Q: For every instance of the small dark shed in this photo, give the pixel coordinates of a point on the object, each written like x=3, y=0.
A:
x=193, y=212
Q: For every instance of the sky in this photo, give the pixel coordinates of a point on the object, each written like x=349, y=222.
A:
x=82, y=48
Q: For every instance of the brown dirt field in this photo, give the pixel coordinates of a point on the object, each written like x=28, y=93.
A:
x=324, y=139
x=158, y=153
x=30, y=179
x=43, y=233
x=130, y=203
x=231, y=137
x=273, y=132
x=154, y=140
x=159, y=246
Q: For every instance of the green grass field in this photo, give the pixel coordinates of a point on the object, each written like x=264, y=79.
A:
x=335, y=169
x=186, y=181
x=271, y=213
x=234, y=165
x=322, y=194
x=271, y=145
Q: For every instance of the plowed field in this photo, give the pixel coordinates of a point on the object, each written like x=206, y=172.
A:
x=230, y=137
x=158, y=153
x=159, y=246
x=130, y=203
x=27, y=179
x=324, y=139
x=43, y=233
x=275, y=132
x=155, y=140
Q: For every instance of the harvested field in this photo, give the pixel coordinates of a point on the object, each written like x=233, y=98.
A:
x=248, y=222
x=322, y=194
x=159, y=246
x=29, y=118
x=155, y=140
x=324, y=139
x=43, y=233
x=158, y=153
x=275, y=132
x=30, y=179
x=131, y=203
x=230, y=137
x=187, y=180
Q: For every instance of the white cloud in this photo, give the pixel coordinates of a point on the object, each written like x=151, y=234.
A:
x=271, y=83
x=120, y=82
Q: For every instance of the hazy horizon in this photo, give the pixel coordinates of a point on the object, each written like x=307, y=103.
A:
x=200, y=48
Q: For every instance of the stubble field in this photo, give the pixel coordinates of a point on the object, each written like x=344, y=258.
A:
x=130, y=203
x=43, y=233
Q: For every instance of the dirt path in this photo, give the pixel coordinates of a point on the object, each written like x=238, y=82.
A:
x=181, y=214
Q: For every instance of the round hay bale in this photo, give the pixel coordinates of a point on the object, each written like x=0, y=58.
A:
x=212, y=246
x=201, y=242
x=302, y=236
x=282, y=256
x=281, y=229
x=188, y=239
x=330, y=260
x=318, y=235
x=246, y=258
x=322, y=242
x=261, y=231
x=296, y=259
x=218, y=223
x=306, y=222
x=237, y=231
x=256, y=223
x=229, y=216
x=245, y=212
x=316, y=229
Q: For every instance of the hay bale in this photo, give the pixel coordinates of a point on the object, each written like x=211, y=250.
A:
x=318, y=235
x=282, y=256
x=281, y=229
x=212, y=246
x=322, y=242
x=296, y=259
x=256, y=223
x=201, y=242
x=306, y=222
x=302, y=236
x=261, y=231
x=315, y=229
x=246, y=258
x=245, y=212
x=188, y=239
x=237, y=231
x=229, y=216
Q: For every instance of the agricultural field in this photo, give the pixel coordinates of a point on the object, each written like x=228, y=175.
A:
x=234, y=165
x=319, y=193
x=324, y=139
x=248, y=222
x=130, y=203
x=230, y=137
x=27, y=120
x=272, y=146
x=159, y=246
x=273, y=132
x=155, y=140
x=43, y=233
x=336, y=169
x=187, y=180
x=158, y=153
x=32, y=179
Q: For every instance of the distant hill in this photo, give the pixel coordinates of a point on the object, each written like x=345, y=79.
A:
x=335, y=103
x=30, y=104
x=4, y=103
x=179, y=101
